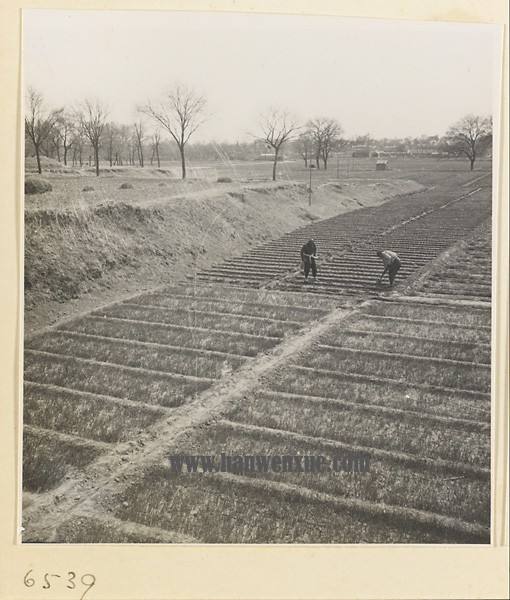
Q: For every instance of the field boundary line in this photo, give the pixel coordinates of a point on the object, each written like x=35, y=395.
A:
x=203, y=285
x=68, y=438
x=427, y=322
x=387, y=380
x=426, y=301
x=93, y=361
x=412, y=415
x=451, y=361
x=386, y=512
x=185, y=327
x=155, y=408
x=468, y=183
x=418, y=338
x=403, y=458
x=242, y=302
x=163, y=536
x=152, y=344
x=214, y=313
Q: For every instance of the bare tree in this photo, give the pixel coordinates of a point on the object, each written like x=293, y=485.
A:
x=325, y=133
x=305, y=146
x=39, y=122
x=139, y=138
x=181, y=114
x=277, y=128
x=64, y=130
x=156, y=139
x=468, y=134
x=111, y=136
x=92, y=118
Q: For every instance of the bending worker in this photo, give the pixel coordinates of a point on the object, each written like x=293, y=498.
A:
x=391, y=264
x=308, y=256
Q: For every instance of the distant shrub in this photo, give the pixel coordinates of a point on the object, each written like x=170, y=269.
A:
x=237, y=195
x=224, y=180
x=162, y=184
x=88, y=188
x=34, y=185
x=126, y=186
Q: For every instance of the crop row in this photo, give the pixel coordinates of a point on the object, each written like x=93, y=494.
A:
x=401, y=395
x=228, y=306
x=86, y=415
x=244, y=295
x=215, y=509
x=438, y=330
x=359, y=227
x=384, y=431
x=190, y=318
x=393, y=343
x=132, y=383
x=174, y=335
x=155, y=357
x=47, y=459
x=401, y=367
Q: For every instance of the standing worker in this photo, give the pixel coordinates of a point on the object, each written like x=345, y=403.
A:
x=308, y=256
x=391, y=264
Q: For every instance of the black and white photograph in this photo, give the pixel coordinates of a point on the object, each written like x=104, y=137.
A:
x=257, y=266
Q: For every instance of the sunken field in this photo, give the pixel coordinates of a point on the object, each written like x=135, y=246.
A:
x=245, y=359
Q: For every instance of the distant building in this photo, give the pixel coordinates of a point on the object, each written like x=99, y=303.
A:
x=360, y=152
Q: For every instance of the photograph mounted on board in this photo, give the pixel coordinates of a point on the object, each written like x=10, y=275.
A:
x=257, y=279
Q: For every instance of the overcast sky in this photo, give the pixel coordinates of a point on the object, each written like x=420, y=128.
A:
x=386, y=78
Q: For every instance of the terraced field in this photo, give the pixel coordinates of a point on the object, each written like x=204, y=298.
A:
x=239, y=363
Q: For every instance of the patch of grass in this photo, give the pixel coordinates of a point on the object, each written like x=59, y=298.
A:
x=110, y=380
x=435, y=440
x=224, y=180
x=190, y=318
x=37, y=185
x=419, y=347
x=47, y=461
x=254, y=295
x=234, y=307
x=412, y=370
x=83, y=415
x=398, y=396
x=385, y=482
x=463, y=315
x=234, y=343
x=185, y=362
x=216, y=511
x=88, y=188
x=126, y=186
x=432, y=330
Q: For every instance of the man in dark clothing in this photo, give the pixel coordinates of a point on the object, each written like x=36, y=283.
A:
x=391, y=264
x=308, y=256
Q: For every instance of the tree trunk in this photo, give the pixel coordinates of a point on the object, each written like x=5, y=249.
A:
x=157, y=156
x=65, y=155
x=183, y=162
x=472, y=163
x=96, y=157
x=38, y=156
x=274, y=163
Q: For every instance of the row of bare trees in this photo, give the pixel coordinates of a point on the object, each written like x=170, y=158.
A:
x=179, y=114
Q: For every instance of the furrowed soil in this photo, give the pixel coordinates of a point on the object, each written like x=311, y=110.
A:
x=88, y=248
x=260, y=365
